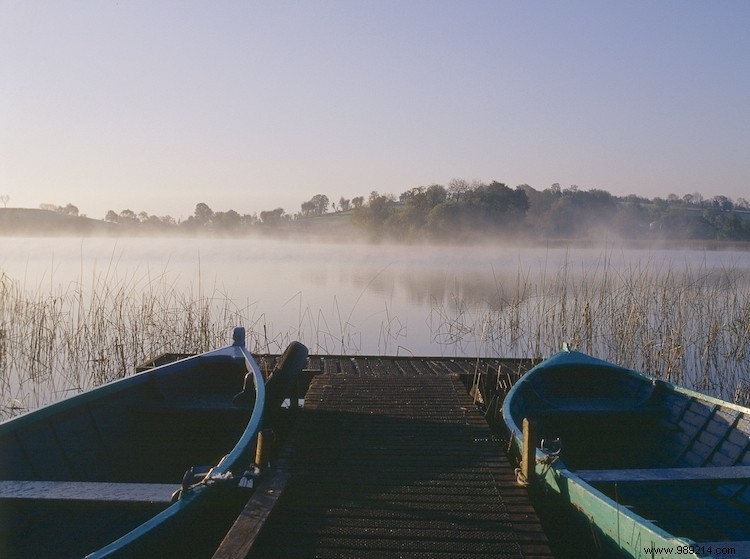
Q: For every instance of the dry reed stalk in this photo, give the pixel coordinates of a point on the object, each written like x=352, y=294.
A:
x=689, y=326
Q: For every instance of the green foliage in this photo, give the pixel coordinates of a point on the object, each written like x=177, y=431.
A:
x=465, y=211
x=317, y=205
x=494, y=207
x=440, y=221
x=203, y=214
x=273, y=217
x=374, y=216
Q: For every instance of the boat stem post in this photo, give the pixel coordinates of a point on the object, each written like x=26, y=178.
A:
x=528, y=457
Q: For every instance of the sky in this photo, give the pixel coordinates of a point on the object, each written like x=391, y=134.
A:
x=253, y=105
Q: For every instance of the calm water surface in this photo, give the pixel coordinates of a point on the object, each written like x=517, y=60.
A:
x=343, y=298
x=384, y=299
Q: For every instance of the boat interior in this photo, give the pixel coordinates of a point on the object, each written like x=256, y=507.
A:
x=672, y=456
x=99, y=467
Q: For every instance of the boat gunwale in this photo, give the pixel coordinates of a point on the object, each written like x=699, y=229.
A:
x=235, y=458
x=225, y=465
x=120, y=385
x=561, y=479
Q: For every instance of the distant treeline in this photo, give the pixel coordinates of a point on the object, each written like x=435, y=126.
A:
x=464, y=210
x=206, y=219
x=467, y=210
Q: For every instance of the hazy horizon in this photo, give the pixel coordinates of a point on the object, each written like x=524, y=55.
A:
x=251, y=106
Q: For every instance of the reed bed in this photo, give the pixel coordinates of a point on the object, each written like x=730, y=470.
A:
x=689, y=326
x=71, y=339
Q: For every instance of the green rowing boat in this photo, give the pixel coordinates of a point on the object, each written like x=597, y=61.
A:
x=158, y=464
x=658, y=470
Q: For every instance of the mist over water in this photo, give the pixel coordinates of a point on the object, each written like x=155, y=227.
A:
x=382, y=296
x=489, y=300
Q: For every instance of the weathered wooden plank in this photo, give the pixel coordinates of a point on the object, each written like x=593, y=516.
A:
x=87, y=491
x=242, y=536
x=392, y=455
x=673, y=475
x=694, y=422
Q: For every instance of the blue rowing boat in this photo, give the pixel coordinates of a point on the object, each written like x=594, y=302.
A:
x=656, y=469
x=158, y=464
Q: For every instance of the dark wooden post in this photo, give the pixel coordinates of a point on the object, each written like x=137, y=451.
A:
x=528, y=458
x=263, y=448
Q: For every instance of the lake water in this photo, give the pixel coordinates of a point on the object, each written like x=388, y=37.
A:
x=396, y=300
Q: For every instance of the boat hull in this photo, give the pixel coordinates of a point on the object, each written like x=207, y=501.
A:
x=103, y=474
x=650, y=465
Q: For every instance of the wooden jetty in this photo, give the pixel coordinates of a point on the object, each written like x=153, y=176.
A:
x=390, y=457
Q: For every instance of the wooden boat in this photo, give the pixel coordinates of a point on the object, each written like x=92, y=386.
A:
x=658, y=470
x=153, y=465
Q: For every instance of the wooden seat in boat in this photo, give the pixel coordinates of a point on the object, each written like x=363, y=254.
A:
x=667, y=475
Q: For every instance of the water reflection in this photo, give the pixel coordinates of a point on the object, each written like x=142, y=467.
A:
x=681, y=314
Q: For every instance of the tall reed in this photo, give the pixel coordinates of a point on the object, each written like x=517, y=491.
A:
x=68, y=340
x=690, y=326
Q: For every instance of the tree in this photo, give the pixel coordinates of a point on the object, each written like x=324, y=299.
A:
x=227, y=221
x=4, y=199
x=70, y=209
x=273, y=217
x=374, y=215
x=424, y=198
x=441, y=221
x=307, y=208
x=539, y=202
x=203, y=214
x=317, y=205
x=248, y=220
x=457, y=188
x=559, y=220
x=358, y=201
x=344, y=204
x=575, y=213
x=722, y=203
x=128, y=217
x=321, y=203
x=418, y=203
x=631, y=221
x=112, y=217
x=494, y=206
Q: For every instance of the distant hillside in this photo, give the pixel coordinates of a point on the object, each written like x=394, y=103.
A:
x=337, y=224
x=28, y=221
x=37, y=222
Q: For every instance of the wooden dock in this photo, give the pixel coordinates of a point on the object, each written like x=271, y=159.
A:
x=390, y=457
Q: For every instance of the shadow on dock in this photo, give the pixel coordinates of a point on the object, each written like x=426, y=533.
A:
x=397, y=467
x=400, y=457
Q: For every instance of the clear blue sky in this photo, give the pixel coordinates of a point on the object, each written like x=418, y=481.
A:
x=156, y=106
